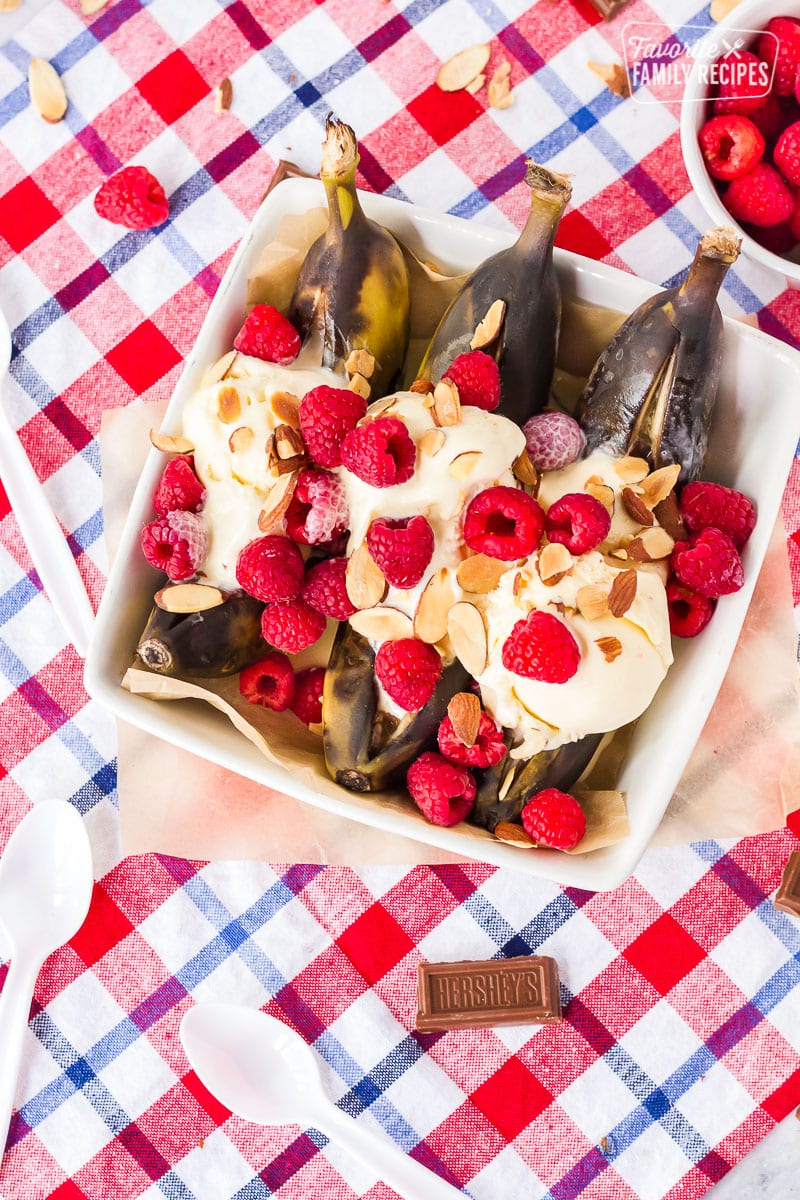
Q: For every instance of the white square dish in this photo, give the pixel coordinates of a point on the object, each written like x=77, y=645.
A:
x=755, y=432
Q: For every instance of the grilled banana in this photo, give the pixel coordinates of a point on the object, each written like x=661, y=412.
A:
x=216, y=641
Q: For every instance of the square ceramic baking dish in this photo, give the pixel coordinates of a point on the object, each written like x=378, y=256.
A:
x=755, y=432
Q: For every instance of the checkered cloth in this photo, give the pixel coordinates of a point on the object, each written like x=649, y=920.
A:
x=679, y=1046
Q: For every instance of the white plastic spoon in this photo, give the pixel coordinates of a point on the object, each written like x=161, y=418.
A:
x=263, y=1071
x=43, y=535
x=46, y=879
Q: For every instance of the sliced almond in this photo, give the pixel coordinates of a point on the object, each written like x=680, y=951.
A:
x=489, y=326
x=464, y=711
x=463, y=464
x=658, y=485
x=188, y=598
x=229, y=406
x=476, y=84
x=609, y=647
x=503, y=69
x=430, y=619
x=499, y=90
x=651, y=545
x=462, y=68
x=171, y=443
x=285, y=408
x=480, y=574
x=554, y=561
x=636, y=507
x=431, y=442
x=223, y=95
x=13, y=5
x=90, y=7
x=602, y=492
x=288, y=442
x=360, y=385
x=382, y=624
x=508, y=779
x=47, y=91
x=614, y=76
x=719, y=9
x=525, y=471
x=592, y=601
x=631, y=470
x=623, y=593
x=518, y=584
x=668, y=515
x=277, y=504
x=360, y=362
x=421, y=387
x=467, y=634
x=379, y=406
x=513, y=835
x=446, y=404
x=364, y=580
x=241, y=439
x=218, y=370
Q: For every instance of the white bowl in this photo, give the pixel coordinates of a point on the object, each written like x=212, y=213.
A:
x=752, y=16
x=754, y=434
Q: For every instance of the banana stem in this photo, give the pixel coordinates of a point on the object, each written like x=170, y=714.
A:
x=550, y=195
x=716, y=252
x=338, y=172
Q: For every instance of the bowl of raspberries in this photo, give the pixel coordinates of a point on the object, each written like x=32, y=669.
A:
x=740, y=130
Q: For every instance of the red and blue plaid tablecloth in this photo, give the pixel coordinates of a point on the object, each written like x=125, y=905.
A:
x=679, y=1047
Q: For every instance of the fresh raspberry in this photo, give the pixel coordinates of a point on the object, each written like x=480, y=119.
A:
x=786, y=155
x=541, y=647
x=578, y=521
x=402, y=549
x=179, y=487
x=267, y=334
x=554, y=818
x=703, y=504
x=760, y=197
x=443, y=793
x=708, y=563
x=326, y=415
x=380, y=452
x=782, y=50
x=270, y=568
x=504, y=523
x=778, y=239
x=307, y=703
x=270, y=682
x=409, y=671
x=553, y=440
x=477, y=377
x=292, y=625
x=487, y=749
x=689, y=612
x=731, y=146
x=324, y=588
x=133, y=198
x=317, y=511
x=744, y=83
x=175, y=543
x=794, y=219
x=769, y=120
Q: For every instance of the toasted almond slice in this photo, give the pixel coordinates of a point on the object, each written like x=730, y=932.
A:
x=241, y=439
x=462, y=68
x=277, y=503
x=719, y=9
x=475, y=84
x=513, y=835
x=171, y=443
x=525, y=471
x=218, y=370
x=430, y=619
x=360, y=386
x=609, y=647
x=288, y=442
x=480, y=574
x=658, y=485
x=623, y=593
x=229, y=406
x=90, y=7
x=614, y=76
x=382, y=624
x=668, y=515
x=285, y=408
x=464, y=711
x=421, y=386
x=554, y=561
x=47, y=91
x=446, y=404
x=360, y=362
x=636, y=507
x=489, y=326
x=431, y=442
x=223, y=95
x=602, y=492
x=499, y=91
x=378, y=407
x=650, y=545
x=592, y=601
x=631, y=470
x=463, y=464
x=503, y=69
x=468, y=636
x=364, y=580
x=188, y=597
x=508, y=779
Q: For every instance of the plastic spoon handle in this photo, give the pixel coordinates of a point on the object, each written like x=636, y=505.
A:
x=45, y=540
x=15, y=1007
x=401, y=1172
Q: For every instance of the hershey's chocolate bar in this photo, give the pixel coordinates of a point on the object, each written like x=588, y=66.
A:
x=608, y=8
x=499, y=991
x=787, y=897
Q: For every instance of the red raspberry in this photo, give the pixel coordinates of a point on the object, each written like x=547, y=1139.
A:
x=326, y=415
x=487, y=749
x=175, y=543
x=292, y=625
x=179, y=487
x=270, y=682
x=324, y=588
x=317, y=512
x=268, y=334
x=778, y=239
x=307, y=703
x=441, y=791
x=553, y=440
x=689, y=612
x=794, y=220
x=554, y=818
x=134, y=198
x=541, y=647
x=760, y=197
x=744, y=83
x=769, y=120
x=402, y=549
x=578, y=521
x=782, y=50
x=409, y=670
x=731, y=146
x=477, y=377
x=503, y=522
x=380, y=452
x=786, y=155
x=270, y=568
x=703, y=504
x=709, y=563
